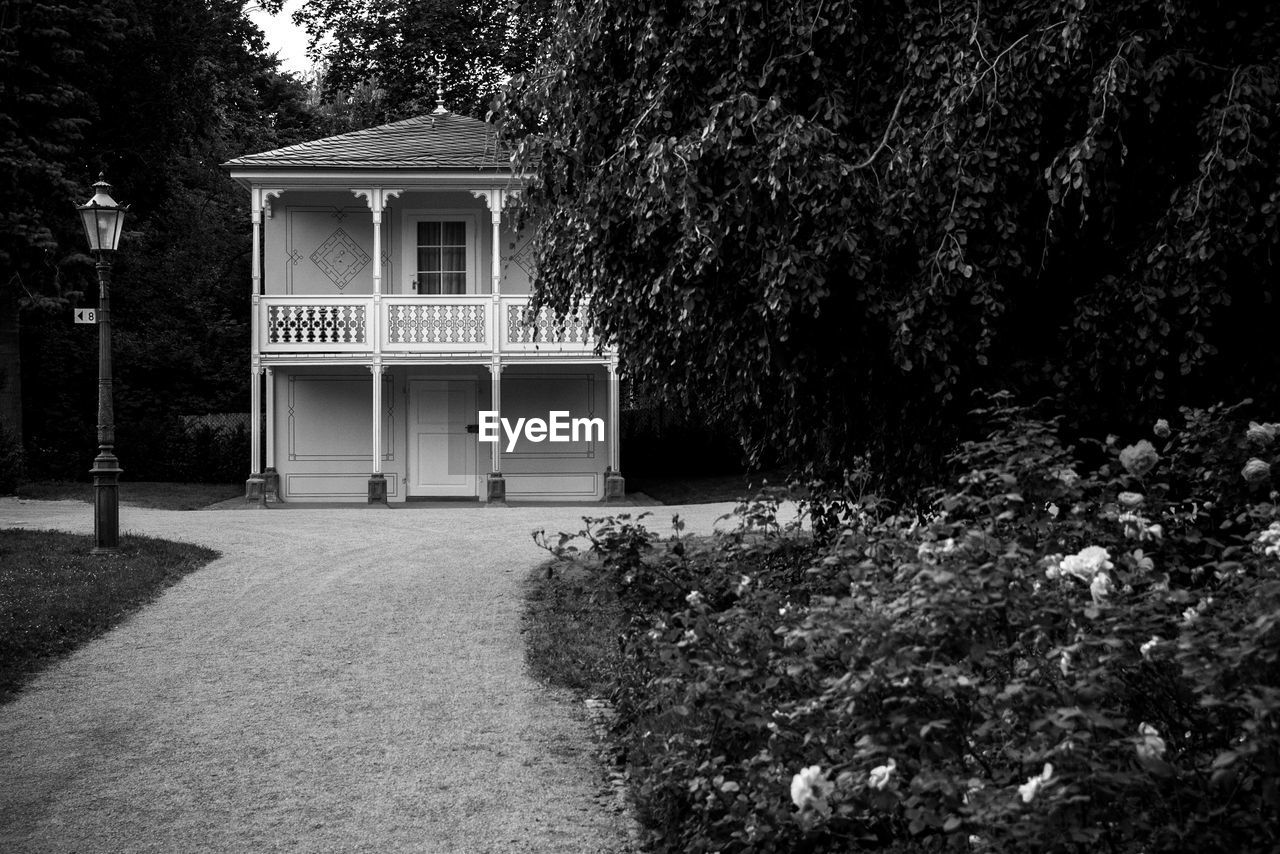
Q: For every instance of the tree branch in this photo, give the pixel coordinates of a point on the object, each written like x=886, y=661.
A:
x=884, y=140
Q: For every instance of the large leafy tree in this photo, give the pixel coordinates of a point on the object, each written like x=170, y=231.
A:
x=832, y=219
x=378, y=57
x=46, y=52
x=163, y=93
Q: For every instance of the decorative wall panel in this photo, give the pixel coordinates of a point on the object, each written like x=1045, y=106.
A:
x=340, y=258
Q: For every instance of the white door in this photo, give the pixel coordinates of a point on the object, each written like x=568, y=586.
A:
x=442, y=453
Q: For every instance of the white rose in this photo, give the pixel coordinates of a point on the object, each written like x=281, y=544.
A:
x=810, y=788
x=1150, y=745
x=1032, y=787
x=879, y=776
x=1100, y=588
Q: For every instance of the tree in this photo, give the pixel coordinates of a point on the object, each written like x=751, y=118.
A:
x=832, y=220
x=47, y=50
x=378, y=58
x=168, y=94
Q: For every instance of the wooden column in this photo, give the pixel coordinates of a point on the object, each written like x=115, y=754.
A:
x=260, y=204
x=377, y=481
x=614, y=485
x=271, y=417
x=253, y=486
x=377, y=198
x=270, y=477
x=496, y=484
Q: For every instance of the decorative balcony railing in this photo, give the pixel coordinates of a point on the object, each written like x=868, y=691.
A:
x=329, y=324
x=440, y=325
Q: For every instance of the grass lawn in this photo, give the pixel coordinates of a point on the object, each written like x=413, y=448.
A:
x=55, y=596
x=153, y=495
x=571, y=623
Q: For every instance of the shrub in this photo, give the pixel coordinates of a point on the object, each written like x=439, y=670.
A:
x=1055, y=657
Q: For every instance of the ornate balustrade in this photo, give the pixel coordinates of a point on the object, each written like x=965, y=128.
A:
x=436, y=324
x=316, y=324
x=407, y=325
x=524, y=331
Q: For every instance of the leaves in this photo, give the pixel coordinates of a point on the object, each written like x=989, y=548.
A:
x=833, y=222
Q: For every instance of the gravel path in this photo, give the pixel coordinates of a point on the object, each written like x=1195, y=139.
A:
x=340, y=680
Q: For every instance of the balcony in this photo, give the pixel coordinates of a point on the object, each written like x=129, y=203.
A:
x=440, y=326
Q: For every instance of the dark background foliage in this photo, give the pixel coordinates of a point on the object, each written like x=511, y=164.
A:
x=833, y=220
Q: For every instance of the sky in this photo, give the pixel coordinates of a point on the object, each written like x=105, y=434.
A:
x=283, y=37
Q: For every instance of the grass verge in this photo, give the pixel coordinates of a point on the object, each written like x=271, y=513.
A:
x=55, y=596
x=150, y=494
x=573, y=624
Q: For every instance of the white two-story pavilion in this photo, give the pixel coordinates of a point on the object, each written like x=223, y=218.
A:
x=390, y=308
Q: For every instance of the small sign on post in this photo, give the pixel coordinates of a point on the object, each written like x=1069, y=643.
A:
x=86, y=315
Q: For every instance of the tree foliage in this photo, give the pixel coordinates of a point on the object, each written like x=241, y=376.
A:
x=833, y=219
x=156, y=95
x=381, y=55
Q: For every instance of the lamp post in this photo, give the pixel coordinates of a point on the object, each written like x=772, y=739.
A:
x=103, y=221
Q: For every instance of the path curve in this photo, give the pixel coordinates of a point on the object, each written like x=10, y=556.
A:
x=339, y=680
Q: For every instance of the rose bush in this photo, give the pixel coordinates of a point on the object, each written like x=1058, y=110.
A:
x=1068, y=649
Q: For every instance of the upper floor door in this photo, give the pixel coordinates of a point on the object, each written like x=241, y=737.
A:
x=441, y=253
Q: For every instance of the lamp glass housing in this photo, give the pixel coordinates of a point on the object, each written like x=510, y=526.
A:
x=103, y=219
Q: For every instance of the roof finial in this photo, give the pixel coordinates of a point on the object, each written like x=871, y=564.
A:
x=440, y=58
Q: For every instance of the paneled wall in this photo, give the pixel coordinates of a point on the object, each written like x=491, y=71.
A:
x=321, y=243
x=323, y=430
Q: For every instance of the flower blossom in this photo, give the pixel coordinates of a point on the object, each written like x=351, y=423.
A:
x=1139, y=458
x=1064, y=662
x=694, y=599
x=1268, y=542
x=928, y=551
x=1032, y=787
x=1139, y=527
x=1256, y=471
x=1146, y=648
x=1100, y=588
x=1150, y=745
x=744, y=582
x=1161, y=429
x=1087, y=563
x=879, y=776
x=810, y=788
x=1131, y=499
x=1191, y=615
x=1261, y=434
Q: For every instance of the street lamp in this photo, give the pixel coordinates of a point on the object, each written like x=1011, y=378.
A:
x=103, y=221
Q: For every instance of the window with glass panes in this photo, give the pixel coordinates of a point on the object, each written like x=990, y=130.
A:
x=442, y=257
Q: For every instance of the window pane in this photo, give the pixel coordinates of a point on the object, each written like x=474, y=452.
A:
x=454, y=233
x=428, y=283
x=453, y=259
x=428, y=234
x=429, y=259
x=454, y=283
